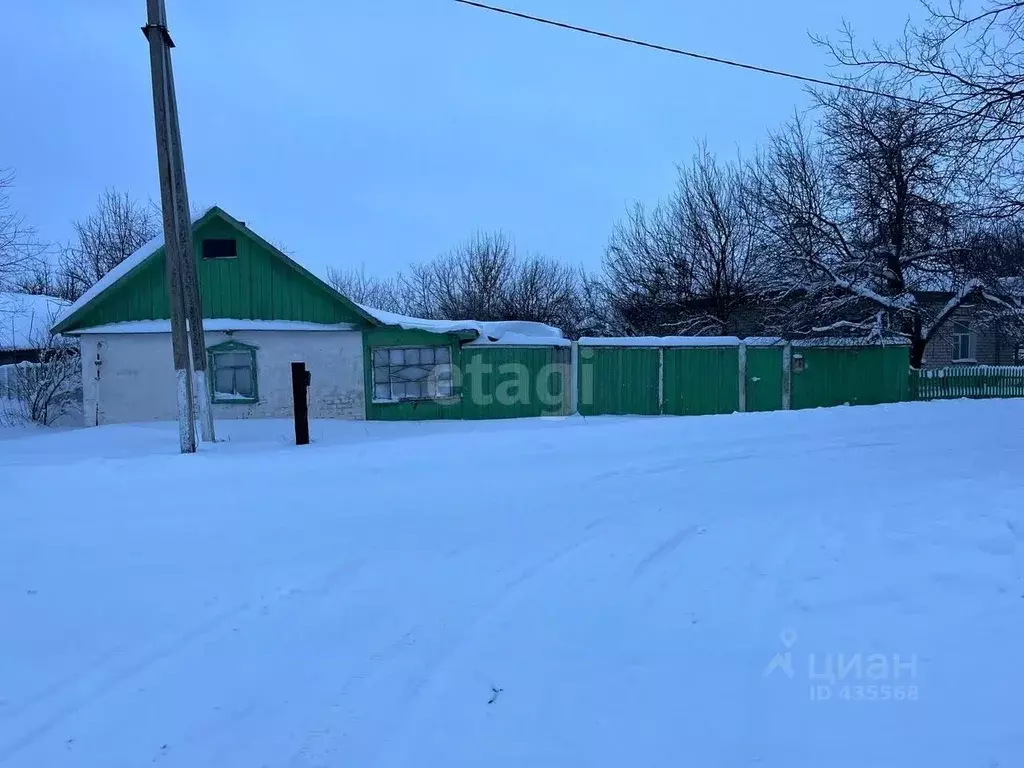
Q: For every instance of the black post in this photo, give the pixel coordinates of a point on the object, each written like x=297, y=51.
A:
x=300, y=383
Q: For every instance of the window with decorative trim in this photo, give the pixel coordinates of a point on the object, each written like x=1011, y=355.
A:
x=963, y=342
x=411, y=373
x=233, y=373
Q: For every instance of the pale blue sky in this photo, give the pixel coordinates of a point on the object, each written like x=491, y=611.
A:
x=381, y=132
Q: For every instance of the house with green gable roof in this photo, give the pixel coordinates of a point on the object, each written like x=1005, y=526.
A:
x=262, y=310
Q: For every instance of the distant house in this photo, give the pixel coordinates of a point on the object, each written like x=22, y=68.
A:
x=25, y=322
x=262, y=311
x=969, y=337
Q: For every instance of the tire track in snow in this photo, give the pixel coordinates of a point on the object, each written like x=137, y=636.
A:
x=435, y=679
x=667, y=547
x=321, y=743
x=110, y=680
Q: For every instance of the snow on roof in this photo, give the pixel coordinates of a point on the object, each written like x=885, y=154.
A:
x=764, y=341
x=851, y=341
x=25, y=320
x=501, y=338
x=215, y=324
x=660, y=341
x=1011, y=285
x=502, y=332
x=733, y=341
x=940, y=282
x=124, y=268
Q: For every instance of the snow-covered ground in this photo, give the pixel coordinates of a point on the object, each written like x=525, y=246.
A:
x=609, y=592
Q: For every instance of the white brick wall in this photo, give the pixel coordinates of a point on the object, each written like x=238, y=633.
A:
x=136, y=376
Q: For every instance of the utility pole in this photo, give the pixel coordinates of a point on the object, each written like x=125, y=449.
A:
x=190, y=278
x=160, y=63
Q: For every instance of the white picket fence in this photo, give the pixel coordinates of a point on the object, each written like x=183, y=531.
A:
x=977, y=381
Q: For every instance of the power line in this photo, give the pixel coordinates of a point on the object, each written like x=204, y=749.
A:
x=705, y=57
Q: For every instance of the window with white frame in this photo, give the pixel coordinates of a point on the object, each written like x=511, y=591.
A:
x=963, y=342
x=411, y=373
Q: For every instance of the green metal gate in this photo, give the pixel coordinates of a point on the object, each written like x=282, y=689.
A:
x=701, y=380
x=765, y=378
x=618, y=380
x=515, y=382
x=854, y=375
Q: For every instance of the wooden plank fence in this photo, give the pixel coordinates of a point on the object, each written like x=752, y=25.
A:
x=973, y=381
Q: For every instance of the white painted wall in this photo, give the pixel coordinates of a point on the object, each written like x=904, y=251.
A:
x=135, y=379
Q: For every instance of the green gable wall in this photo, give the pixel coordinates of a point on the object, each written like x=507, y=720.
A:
x=259, y=284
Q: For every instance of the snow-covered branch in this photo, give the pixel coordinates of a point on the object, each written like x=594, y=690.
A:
x=704, y=324
x=951, y=306
x=846, y=325
x=900, y=302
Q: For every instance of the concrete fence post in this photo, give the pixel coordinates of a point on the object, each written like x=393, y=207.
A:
x=787, y=376
x=574, y=379
x=661, y=380
x=743, y=377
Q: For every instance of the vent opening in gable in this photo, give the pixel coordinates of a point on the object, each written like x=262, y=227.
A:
x=219, y=248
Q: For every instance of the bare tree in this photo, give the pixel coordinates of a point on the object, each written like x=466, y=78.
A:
x=37, y=278
x=114, y=231
x=720, y=227
x=486, y=278
x=694, y=261
x=647, y=278
x=19, y=247
x=42, y=392
x=42, y=277
x=598, y=317
x=965, y=64
x=546, y=291
x=470, y=281
x=47, y=384
x=867, y=217
x=355, y=284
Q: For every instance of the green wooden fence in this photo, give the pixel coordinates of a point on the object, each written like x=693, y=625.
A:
x=974, y=381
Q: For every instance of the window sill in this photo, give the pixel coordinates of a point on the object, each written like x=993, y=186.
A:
x=961, y=361
x=237, y=401
x=452, y=399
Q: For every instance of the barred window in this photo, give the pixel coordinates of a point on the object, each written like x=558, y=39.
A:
x=412, y=373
